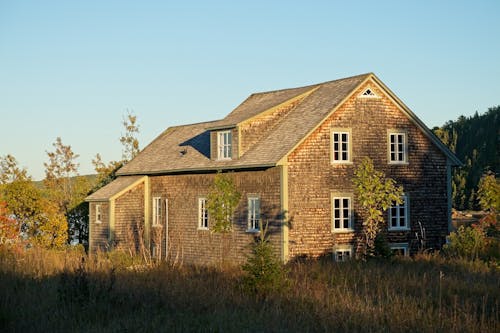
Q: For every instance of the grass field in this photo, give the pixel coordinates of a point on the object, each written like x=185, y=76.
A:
x=44, y=291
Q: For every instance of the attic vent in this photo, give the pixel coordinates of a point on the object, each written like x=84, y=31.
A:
x=368, y=93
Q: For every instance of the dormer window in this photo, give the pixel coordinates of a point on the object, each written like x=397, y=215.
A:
x=224, y=149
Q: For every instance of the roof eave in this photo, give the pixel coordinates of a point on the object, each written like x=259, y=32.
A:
x=200, y=170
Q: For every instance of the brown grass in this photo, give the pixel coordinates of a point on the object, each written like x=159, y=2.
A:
x=47, y=291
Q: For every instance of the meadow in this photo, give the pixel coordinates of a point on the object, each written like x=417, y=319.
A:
x=67, y=291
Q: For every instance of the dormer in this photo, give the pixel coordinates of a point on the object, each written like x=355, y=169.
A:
x=224, y=143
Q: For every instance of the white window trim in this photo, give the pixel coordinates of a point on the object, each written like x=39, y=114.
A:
x=202, y=206
x=253, y=218
x=343, y=248
x=341, y=131
x=98, y=213
x=157, y=211
x=342, y=196
x=405, y=146
x=406, y=205
x=400, y=246
x=221, y=147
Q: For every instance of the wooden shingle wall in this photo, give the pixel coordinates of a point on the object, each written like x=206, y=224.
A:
x=99, y=232
x=129, y=218
x=312, y=177
x=187, y=243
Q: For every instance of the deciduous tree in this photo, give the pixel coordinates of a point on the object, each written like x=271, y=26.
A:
x=375, y=194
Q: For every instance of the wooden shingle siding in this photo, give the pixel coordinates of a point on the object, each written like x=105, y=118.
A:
x=129, y=218
x=312, y=177
x=189, y=244
x=99, y=232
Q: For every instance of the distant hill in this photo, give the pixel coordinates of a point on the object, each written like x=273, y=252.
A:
x=475, y=140
x=91, y=178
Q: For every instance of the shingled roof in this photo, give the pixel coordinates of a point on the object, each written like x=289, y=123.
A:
x=187, y=148
x=111, y=189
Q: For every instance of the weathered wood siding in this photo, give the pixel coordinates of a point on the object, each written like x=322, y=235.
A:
x=187, y=243
x=312, y=177
x=99, y=231
x=129, y=219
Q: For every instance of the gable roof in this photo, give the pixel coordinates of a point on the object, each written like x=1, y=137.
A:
x=114, y=188
x=187, y=148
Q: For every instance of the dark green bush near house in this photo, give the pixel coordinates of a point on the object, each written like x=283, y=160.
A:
x=265, y=273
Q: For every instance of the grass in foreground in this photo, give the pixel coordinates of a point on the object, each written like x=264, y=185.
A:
x=43, y=291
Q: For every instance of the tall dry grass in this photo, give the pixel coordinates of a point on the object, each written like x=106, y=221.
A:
x=46, y=291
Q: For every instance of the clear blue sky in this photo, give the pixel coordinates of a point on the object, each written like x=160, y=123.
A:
x=73, y=68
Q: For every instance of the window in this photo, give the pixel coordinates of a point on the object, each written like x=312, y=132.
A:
x=399, y=249
x=340, y=146
x=253, y=213
x=98, y=214
x=397, y=148
x=224, y=139
x=156, y=211
x=342, y=252
x=341, y=213
x=398, y=215
x=368, y=93
x=202, y=214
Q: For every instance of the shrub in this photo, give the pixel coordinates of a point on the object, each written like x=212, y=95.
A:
x=466, y=242
x=265, y=273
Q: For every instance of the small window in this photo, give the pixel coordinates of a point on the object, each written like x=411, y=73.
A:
x=368, y=93
x=202, y=214
x=397, y=148
x=98, y=214
x=253, y=214
x=343, y=253
x=398, y=215
x=157, y=213
x=341, y=213
x=224, y=140
x=341, y=152
x=399, y=249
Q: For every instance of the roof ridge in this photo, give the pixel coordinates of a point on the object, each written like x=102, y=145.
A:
x=311, y=85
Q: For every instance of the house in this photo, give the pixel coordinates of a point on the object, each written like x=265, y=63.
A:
x=292, y=154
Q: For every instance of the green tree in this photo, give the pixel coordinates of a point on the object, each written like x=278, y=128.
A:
x=59, y=170
x=265, y=273
x=221, y=203
x=66, y=189
x=489, y=192
x=375, y=194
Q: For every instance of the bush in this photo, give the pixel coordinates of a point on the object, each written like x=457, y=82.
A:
x=265, y=273
x=467, y=243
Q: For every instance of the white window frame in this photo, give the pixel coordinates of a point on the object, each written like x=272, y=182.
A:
x=341, y=209
x=224, y=145
x=253, y=214
x=157, y=211
x=98, y=213
x=397, y=208
x=348, y=151
x=400, y=246
x=202, y=214
x=397, y=148
x=343, y=253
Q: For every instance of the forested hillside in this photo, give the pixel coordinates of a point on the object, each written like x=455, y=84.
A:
x=475, y=141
